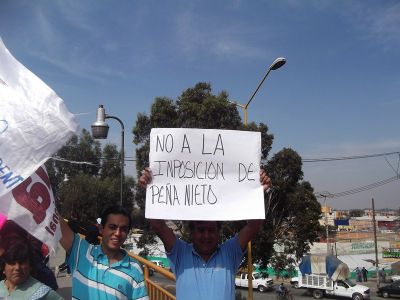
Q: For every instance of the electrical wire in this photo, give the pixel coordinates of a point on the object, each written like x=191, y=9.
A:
x=308, y=160
x=358, y=189
x=73, y=161
x=362, y=188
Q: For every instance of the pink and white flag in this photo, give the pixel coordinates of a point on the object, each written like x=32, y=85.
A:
x=31, y=205
x=3, y=219
x=34, y=124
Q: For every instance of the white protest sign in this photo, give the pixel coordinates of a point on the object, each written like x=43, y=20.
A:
x=34, y=122
x=31, y=205
x=205, y=174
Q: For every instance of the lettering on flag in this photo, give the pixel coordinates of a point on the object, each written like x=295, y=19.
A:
x=31, y=205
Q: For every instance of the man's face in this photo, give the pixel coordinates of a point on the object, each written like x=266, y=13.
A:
x=205, y=237
x=114, y=232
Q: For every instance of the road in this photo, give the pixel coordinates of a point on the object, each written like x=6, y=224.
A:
x=302, y=294
x=299, y=294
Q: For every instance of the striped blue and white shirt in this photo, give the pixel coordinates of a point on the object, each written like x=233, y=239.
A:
x=94, y=278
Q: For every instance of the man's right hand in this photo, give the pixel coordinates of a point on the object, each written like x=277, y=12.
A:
x=145, y=178
x=67, y=235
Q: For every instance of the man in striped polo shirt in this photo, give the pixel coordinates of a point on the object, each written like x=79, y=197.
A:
x=104, y=271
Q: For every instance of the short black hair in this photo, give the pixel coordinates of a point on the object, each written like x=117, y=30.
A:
x=17, y=252
x=192, y=224
x=116, y=210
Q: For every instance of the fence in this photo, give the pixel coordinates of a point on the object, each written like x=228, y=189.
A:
x=156, y=291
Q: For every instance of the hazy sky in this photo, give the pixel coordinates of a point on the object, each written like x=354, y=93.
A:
x=337, y=96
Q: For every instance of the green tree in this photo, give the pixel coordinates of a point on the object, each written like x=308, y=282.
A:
x=67, y=161
x=356, y=213
x=93, y=177
x=292, y=210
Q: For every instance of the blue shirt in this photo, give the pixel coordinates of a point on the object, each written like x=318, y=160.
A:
x=94, y=278
x=198, y=279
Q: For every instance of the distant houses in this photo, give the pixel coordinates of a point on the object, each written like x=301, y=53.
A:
x=352, y=238
x=341, y=220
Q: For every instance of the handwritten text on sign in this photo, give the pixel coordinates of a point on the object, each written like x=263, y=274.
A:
x=204, y=174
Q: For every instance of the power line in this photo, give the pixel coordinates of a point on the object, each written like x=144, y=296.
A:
x=73, y=161
x=361, y=188
x=318, y=195
x=307, y=160
x=87, y=162
x=358, y=189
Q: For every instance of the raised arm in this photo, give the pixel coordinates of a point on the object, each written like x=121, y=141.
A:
x=248, y=232
x=164, y=232
x=67, y=236
x=159, y=226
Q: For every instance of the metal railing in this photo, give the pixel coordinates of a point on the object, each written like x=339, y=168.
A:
x=155, y=290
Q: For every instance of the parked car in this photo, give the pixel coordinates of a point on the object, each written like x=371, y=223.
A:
x=393, y=278
x=391, y=289
x=158, y=263
x=259, y=282
x=294, y=281
x=151, y=271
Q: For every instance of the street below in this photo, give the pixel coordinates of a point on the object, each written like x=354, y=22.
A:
x=298, y=294
x=301, y=294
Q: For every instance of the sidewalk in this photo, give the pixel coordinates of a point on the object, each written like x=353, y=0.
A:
x=64, y=287
x=64, y=282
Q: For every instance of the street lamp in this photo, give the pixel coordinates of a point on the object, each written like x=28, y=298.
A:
x=276, y=64
x=100, y=131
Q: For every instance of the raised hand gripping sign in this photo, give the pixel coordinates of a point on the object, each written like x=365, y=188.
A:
x=204, y=174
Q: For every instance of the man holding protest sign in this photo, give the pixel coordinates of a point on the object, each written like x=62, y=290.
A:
x=104, y=271
x=207, y=175
x=205, y=269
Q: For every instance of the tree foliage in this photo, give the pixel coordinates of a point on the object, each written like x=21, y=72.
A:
x=292, y=211
x=356, y=213
x=86, y=178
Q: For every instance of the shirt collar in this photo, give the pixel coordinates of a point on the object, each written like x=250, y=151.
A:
x=212, y=255
x=98, y=253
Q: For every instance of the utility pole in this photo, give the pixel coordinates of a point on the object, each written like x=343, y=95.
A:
x=326, y=227
x=376, y=245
